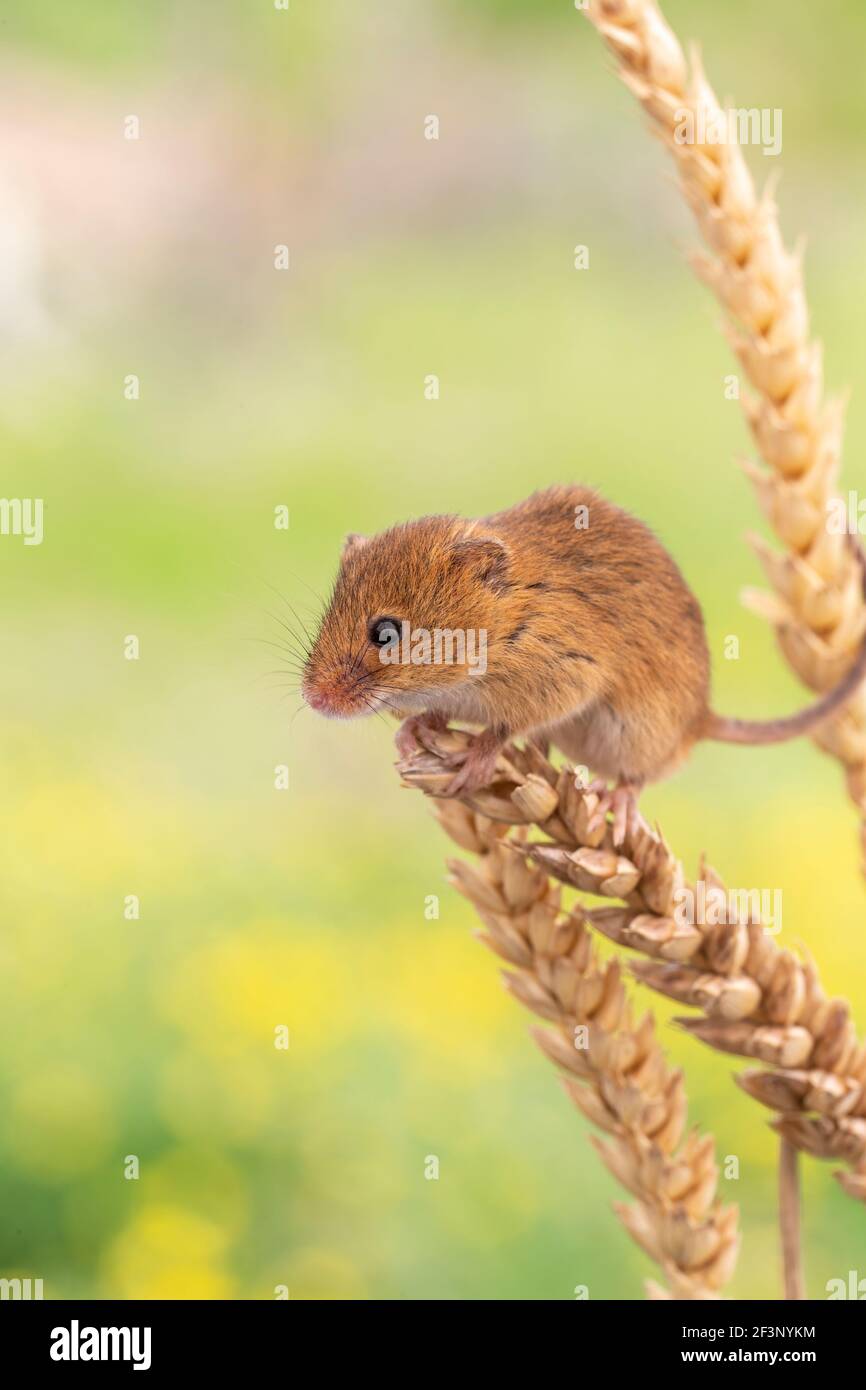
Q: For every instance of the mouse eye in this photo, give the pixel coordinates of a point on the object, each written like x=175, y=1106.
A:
x=384, y=631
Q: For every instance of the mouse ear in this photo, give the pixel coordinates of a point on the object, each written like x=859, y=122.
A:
x=351, y=544
x=486, y=558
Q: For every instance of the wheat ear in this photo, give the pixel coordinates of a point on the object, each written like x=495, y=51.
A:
x=818, y=608
x=757, y=1000
x=614, y=1070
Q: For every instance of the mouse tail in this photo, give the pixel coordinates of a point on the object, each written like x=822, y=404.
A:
x=757, y=731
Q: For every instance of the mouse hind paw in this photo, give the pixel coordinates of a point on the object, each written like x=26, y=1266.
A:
x=619, y=801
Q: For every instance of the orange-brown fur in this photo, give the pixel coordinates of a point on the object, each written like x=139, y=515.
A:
x=593, y=637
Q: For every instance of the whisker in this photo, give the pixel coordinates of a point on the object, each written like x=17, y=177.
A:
x=301, y=706
x=298, y=619
x=313, y=591
x=296, y=658
x=268, y=585
x=358, y=657
x=291, y=663
x=373, y=710
x=304, y=642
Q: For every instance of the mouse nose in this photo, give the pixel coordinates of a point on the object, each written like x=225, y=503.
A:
x=316, y=700
x=332, y=695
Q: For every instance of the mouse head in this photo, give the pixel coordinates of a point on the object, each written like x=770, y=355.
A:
x=410, y=617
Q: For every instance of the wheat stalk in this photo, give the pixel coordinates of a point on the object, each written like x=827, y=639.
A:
x=615, y=1070
x=757, y=1000
x=818, y=609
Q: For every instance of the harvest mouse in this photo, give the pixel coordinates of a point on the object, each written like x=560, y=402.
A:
x=591, y=639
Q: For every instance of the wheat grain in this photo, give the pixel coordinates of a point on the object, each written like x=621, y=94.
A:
x=757, y=999
x=614, y=1070
x=818, y=609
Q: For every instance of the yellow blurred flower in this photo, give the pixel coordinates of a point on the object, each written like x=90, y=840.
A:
x=168, y=1252
x=241, y=987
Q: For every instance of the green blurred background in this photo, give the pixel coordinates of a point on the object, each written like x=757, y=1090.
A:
x=155, y=777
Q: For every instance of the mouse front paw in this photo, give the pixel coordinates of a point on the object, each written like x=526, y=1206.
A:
x=409, y=737
x=478, y=766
